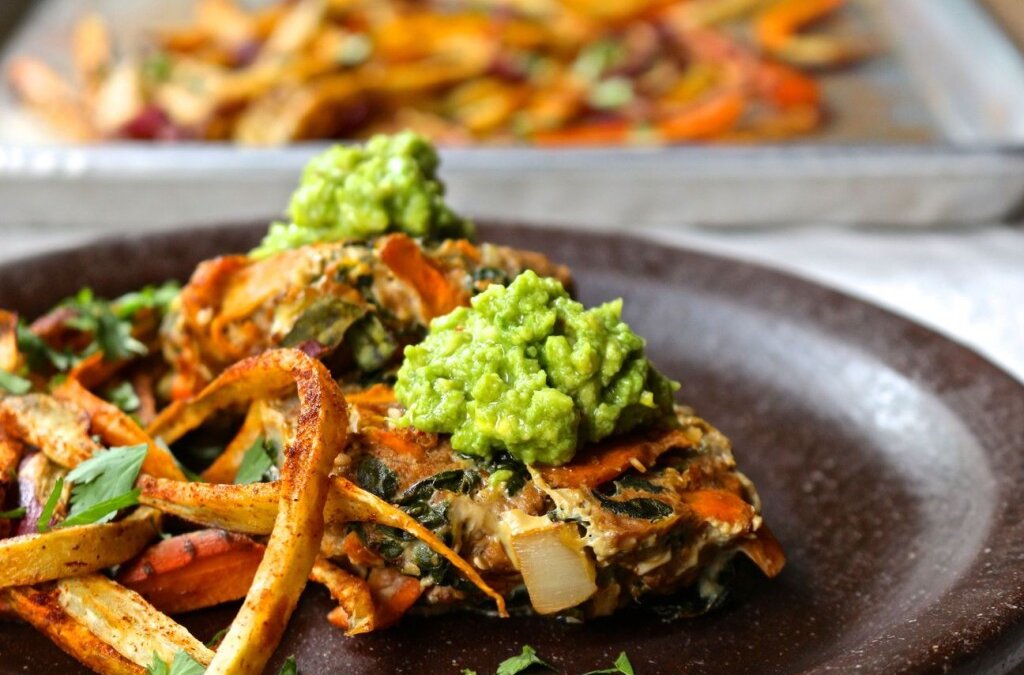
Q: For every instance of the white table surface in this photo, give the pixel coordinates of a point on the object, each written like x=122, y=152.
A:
x=967, y=283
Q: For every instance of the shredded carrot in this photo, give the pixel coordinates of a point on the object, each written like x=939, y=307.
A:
x=393, y=594
x=378, y=394
x=398, y=440
x=589, y=133
x=600, y=463
x=357, y=553
x=407, y=261
x=719, y=505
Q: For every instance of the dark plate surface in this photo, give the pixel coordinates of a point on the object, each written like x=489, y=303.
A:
x=890, y=461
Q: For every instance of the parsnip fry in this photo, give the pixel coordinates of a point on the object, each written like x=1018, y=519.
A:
x=355, y=612
x=248, y=509
x=33, y=558
x=117, y=428
x=109, y=628
x=321, y=432
x=42, y=421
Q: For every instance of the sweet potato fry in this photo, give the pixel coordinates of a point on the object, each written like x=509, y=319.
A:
x=437, y=294
x=778, y=27
x=715, y=116
x=321, y=433
x=194, y=570
x=33, y=558
x=608, y=460
x=107, y=627
x=393, y=594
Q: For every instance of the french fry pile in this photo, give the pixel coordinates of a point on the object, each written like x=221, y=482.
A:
x=51, y=576
x=545, y=72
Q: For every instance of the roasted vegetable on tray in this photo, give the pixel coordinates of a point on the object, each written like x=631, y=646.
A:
x=545, y=72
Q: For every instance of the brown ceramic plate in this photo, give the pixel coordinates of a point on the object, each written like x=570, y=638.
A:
x=890, y=460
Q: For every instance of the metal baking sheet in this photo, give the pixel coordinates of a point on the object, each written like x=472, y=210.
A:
x=929, y=131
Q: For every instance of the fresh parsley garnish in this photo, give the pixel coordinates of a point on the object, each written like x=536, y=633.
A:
x=14, y=384
x=183, y=664
x=103, y=484
x=289, y=667
x=38, y=354
x=13, y=514
x=257, y=464
x=112, y=334
x=217, y=637
x=622, y=666
x=156, y=298
x=46, y=515
x=523, y=662
x=124, y=397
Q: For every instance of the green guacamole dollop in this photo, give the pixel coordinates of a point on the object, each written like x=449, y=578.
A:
x=358, y=192
x=529, y=370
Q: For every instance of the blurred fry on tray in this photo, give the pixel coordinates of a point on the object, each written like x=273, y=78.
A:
x=544, y=72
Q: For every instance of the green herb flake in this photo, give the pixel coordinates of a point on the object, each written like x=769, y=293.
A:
x=13, y=514
x=523, y=662
x=103, y=484
x=622, y=667
x=50, y=506
x=103, y=511
x=325, y=322
x=257, y=465
x=217, y=637
x=14, y=384
x=124, y=397
x=183, y=664
x=290, y=667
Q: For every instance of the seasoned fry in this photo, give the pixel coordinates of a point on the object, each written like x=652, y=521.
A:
x=355, y=613
x=42, y=421
x=321, y=433
x=10, y=358
x=105, y=626
x=32, y=558
x=116, y=428
x=437, y=294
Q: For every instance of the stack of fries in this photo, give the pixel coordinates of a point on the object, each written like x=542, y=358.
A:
x=547, y=72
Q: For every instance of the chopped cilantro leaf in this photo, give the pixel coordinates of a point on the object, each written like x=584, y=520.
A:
x=104, y=477
x=40, y=355
x=622, y=667
x=14, y=384
x=257, y=465
x=13, y=513
x=50, y=506
x=523, y=662
x=217, y=637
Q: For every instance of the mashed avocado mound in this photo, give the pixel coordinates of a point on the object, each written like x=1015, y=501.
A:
x=359, y=192
x=529, y=370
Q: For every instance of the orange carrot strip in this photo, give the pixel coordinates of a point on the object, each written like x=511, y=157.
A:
x=194, y=570
x=707, y=119
x=720, y=505
x=357, y=553
x=393, y=594
x=376, y=395
x=587, y=133
x=407, y=261
x=398, y=440
x=605, y=461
